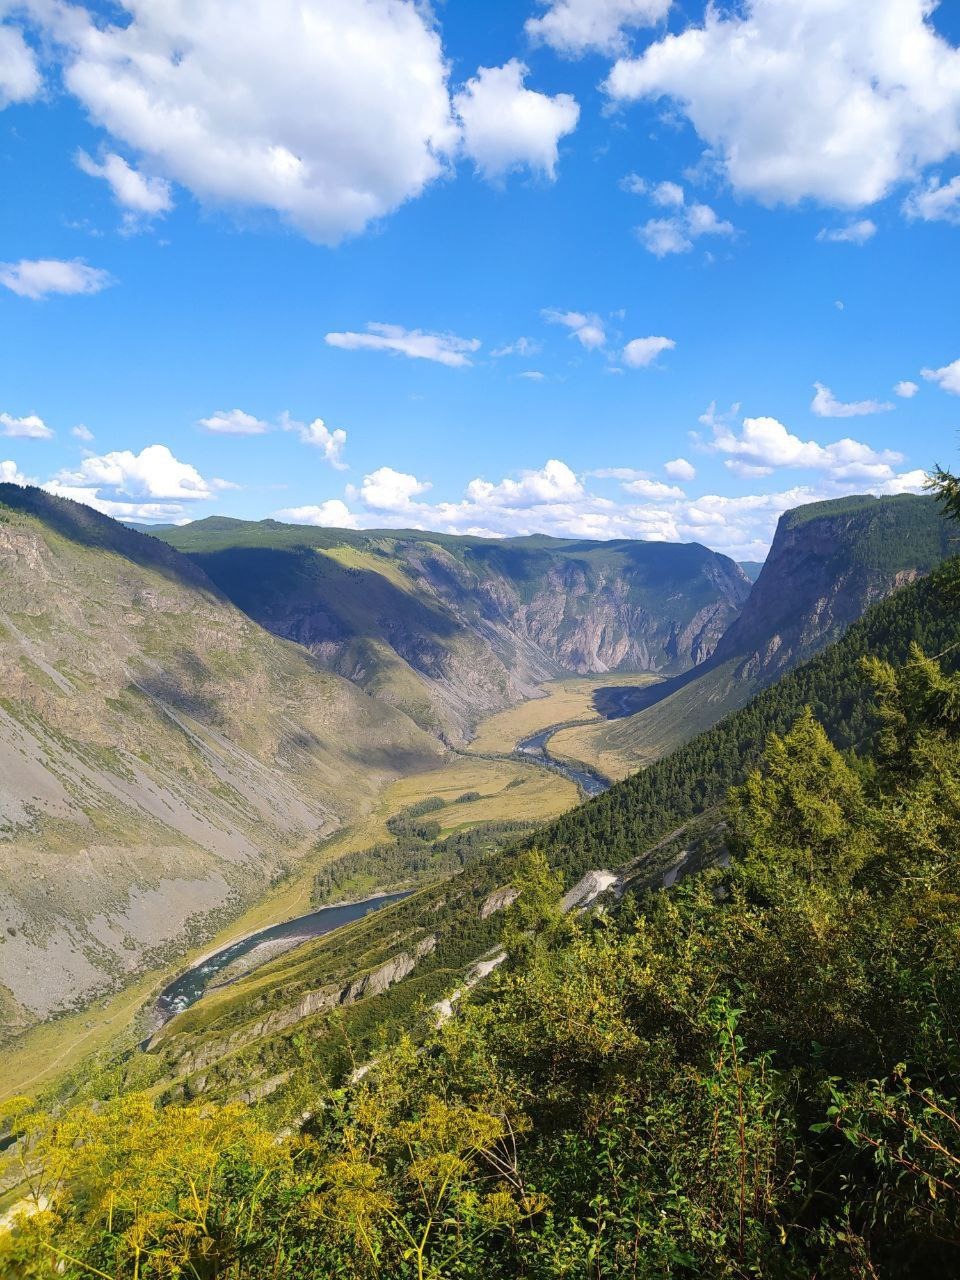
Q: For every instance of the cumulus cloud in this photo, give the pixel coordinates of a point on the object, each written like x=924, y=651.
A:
x=858, y=232
x=142, y=197
x=906, y=390
x=641, y=352
x=29, y=428
x=507, y=126
x=839, y=102
x=80, y=432
x=330, y=114
x=574, y=27
x=332, y=514
x=588, y=330
x=826, y=405
x=935, y=202
x=443, y=348
x=319, y=436
x=680, y=469
x=765, y=443
x=19, y=75
x=654, y=490
x=234, y=422
x=686, y=224
x=42, y=277
x=153, y=473
x=10, y=473
x=154, y=512
x=947, y=378
x=389, y=490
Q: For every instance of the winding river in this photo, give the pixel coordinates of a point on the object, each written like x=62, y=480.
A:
x=536, y=745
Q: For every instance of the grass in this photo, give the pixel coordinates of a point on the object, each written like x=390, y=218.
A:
x=570, y=699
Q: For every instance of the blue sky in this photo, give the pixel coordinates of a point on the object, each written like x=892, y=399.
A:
x=484, y=269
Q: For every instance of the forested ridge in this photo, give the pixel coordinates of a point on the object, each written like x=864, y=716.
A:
x=624, y=821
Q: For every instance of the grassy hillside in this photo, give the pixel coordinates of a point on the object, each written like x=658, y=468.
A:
x=449, y=628
x=164, y=758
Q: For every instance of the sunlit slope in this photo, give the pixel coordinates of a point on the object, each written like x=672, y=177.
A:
x=451, y=629
x=162, y=758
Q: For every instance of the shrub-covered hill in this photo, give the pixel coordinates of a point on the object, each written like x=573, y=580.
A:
x=754, y=1074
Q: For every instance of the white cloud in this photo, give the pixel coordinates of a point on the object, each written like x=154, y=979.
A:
x=766, y=443
x=44, y=276
x=747, y=470
x=507, y=126
x=826, y=405
x=443, y=348
x=522, y=347
x=677, y=233
x=154, y=472
x=575, y=26
x=82, y=433
x=587, y=329
x=533, y=375
x=19, y=76
x=935, y=202
x=10, y=473
x=947, y=378
x=837, y=101
x=554, y=482
x=29, y=428
x=331, y=114
x=680, y=469
x=641, y=352
x=389, y=490
x=654, y=490
x=906, y=390
x=141, y=196
x=319, y=436
x=332, y=514
x=858, y=232
x=634, y=184
x=669, y=195
x=165, y=512
x=234, y=422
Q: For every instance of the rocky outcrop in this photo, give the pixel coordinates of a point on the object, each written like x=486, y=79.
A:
x=498, y=900
x=828, y=563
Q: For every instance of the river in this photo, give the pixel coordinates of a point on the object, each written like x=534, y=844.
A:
x=188, y=988
x=536, y=745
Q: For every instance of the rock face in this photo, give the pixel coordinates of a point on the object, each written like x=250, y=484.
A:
x=828, y=563
x=450, y=629
x=162, y=757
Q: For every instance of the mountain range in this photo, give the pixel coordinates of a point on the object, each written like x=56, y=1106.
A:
x=185, y=715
